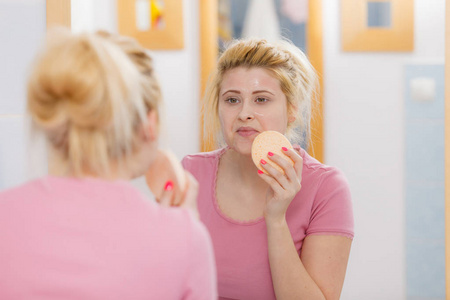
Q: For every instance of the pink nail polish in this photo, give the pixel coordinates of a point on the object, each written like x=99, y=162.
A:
x=260, y=172
x=284, y=148
x=168, y=186
x=263, y=161
x=270, y=154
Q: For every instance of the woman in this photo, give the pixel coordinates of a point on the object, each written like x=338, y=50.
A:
x=84, y=232
x=283, y=236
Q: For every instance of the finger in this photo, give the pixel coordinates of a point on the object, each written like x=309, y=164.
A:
x=274, y=185
x=167, y=194
x=296, y=158
x=286, y=165
x=279, y=182
x=180, y=195
x=191, y=193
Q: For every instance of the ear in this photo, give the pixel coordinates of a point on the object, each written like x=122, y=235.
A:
x=291, y=119
x=292, y=113
x=151, y=128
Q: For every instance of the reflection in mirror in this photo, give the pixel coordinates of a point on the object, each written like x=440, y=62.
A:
x=384, y=125
x=241, y=18
x=424, y=184
x=142, y=9
x=149, y=14
x=281, y=19
x=379, y=14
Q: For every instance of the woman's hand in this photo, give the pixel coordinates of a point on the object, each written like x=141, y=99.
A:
x=189, y=200
x=283, y=187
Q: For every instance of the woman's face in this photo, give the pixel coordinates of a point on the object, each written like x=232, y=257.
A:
x=250, y=101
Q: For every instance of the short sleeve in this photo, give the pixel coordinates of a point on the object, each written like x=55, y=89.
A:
x=185, y=162
x=332, y=211
x=202, y=278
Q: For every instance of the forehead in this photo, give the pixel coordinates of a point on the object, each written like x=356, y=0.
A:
x=249, y=78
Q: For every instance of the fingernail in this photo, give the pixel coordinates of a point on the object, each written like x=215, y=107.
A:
x=168, y=186
x=260, y=172
x=263, y=161
x=270, y=154
x=284, y=148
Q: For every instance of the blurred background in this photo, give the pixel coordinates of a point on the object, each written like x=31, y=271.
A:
x=380, y=118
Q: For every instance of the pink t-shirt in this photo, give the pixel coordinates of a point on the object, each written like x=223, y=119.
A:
x=323, y=206
x=63, y=238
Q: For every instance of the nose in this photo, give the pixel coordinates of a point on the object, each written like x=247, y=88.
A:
x=246, y=112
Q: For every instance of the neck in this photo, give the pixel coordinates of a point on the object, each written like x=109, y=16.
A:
x=126, y=169
x=242, y=167
x=56, y=169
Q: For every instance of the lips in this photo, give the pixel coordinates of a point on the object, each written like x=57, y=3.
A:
x=247, y=131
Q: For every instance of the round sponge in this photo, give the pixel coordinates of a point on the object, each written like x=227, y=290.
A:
x=269, y=141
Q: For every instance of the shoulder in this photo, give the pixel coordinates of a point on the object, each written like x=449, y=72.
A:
x=202, y=160
x=319, y=172
x=23, y=191
x=331, y=208
x=203, y=156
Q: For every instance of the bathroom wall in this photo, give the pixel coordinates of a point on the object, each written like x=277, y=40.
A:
x=22, y=26
x=365, y=136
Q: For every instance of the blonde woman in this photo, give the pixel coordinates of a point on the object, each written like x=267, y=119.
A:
x=276, y=236
x=84, y=232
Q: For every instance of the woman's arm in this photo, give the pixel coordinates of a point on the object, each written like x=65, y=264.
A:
x=319, y=272
x=325, y=258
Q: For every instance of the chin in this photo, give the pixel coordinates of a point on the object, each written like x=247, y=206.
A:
x=242, y=149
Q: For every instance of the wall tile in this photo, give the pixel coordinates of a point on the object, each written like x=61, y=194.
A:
x=424, y=151
x=23, y=154
x=20, y=39
x=425, y=211
x=425, y=269
x=425, y=192
x=12, y=151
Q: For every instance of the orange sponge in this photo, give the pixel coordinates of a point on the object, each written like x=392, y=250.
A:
x=269, y=141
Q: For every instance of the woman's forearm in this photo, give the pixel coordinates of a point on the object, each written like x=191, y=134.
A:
x=290, y=278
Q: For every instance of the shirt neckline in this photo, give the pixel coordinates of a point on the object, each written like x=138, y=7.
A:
x=214, y=196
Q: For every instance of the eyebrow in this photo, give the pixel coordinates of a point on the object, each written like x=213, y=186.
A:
x=232, y=91
x=254, y=92
x=263, y=91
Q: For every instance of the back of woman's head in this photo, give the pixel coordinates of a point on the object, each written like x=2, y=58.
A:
x=286, y=62
x=90, y=94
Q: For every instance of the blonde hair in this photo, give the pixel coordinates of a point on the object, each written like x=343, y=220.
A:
x=286, y=62
x=90, y=94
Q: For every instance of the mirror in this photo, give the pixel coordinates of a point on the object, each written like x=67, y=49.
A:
x=383, y=127
x=378, y=14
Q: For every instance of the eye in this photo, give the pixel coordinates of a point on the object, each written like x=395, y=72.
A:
x=232, y=100
x=261, y=100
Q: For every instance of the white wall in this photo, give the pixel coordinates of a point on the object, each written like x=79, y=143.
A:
x=22, y=26
x=364, y=136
